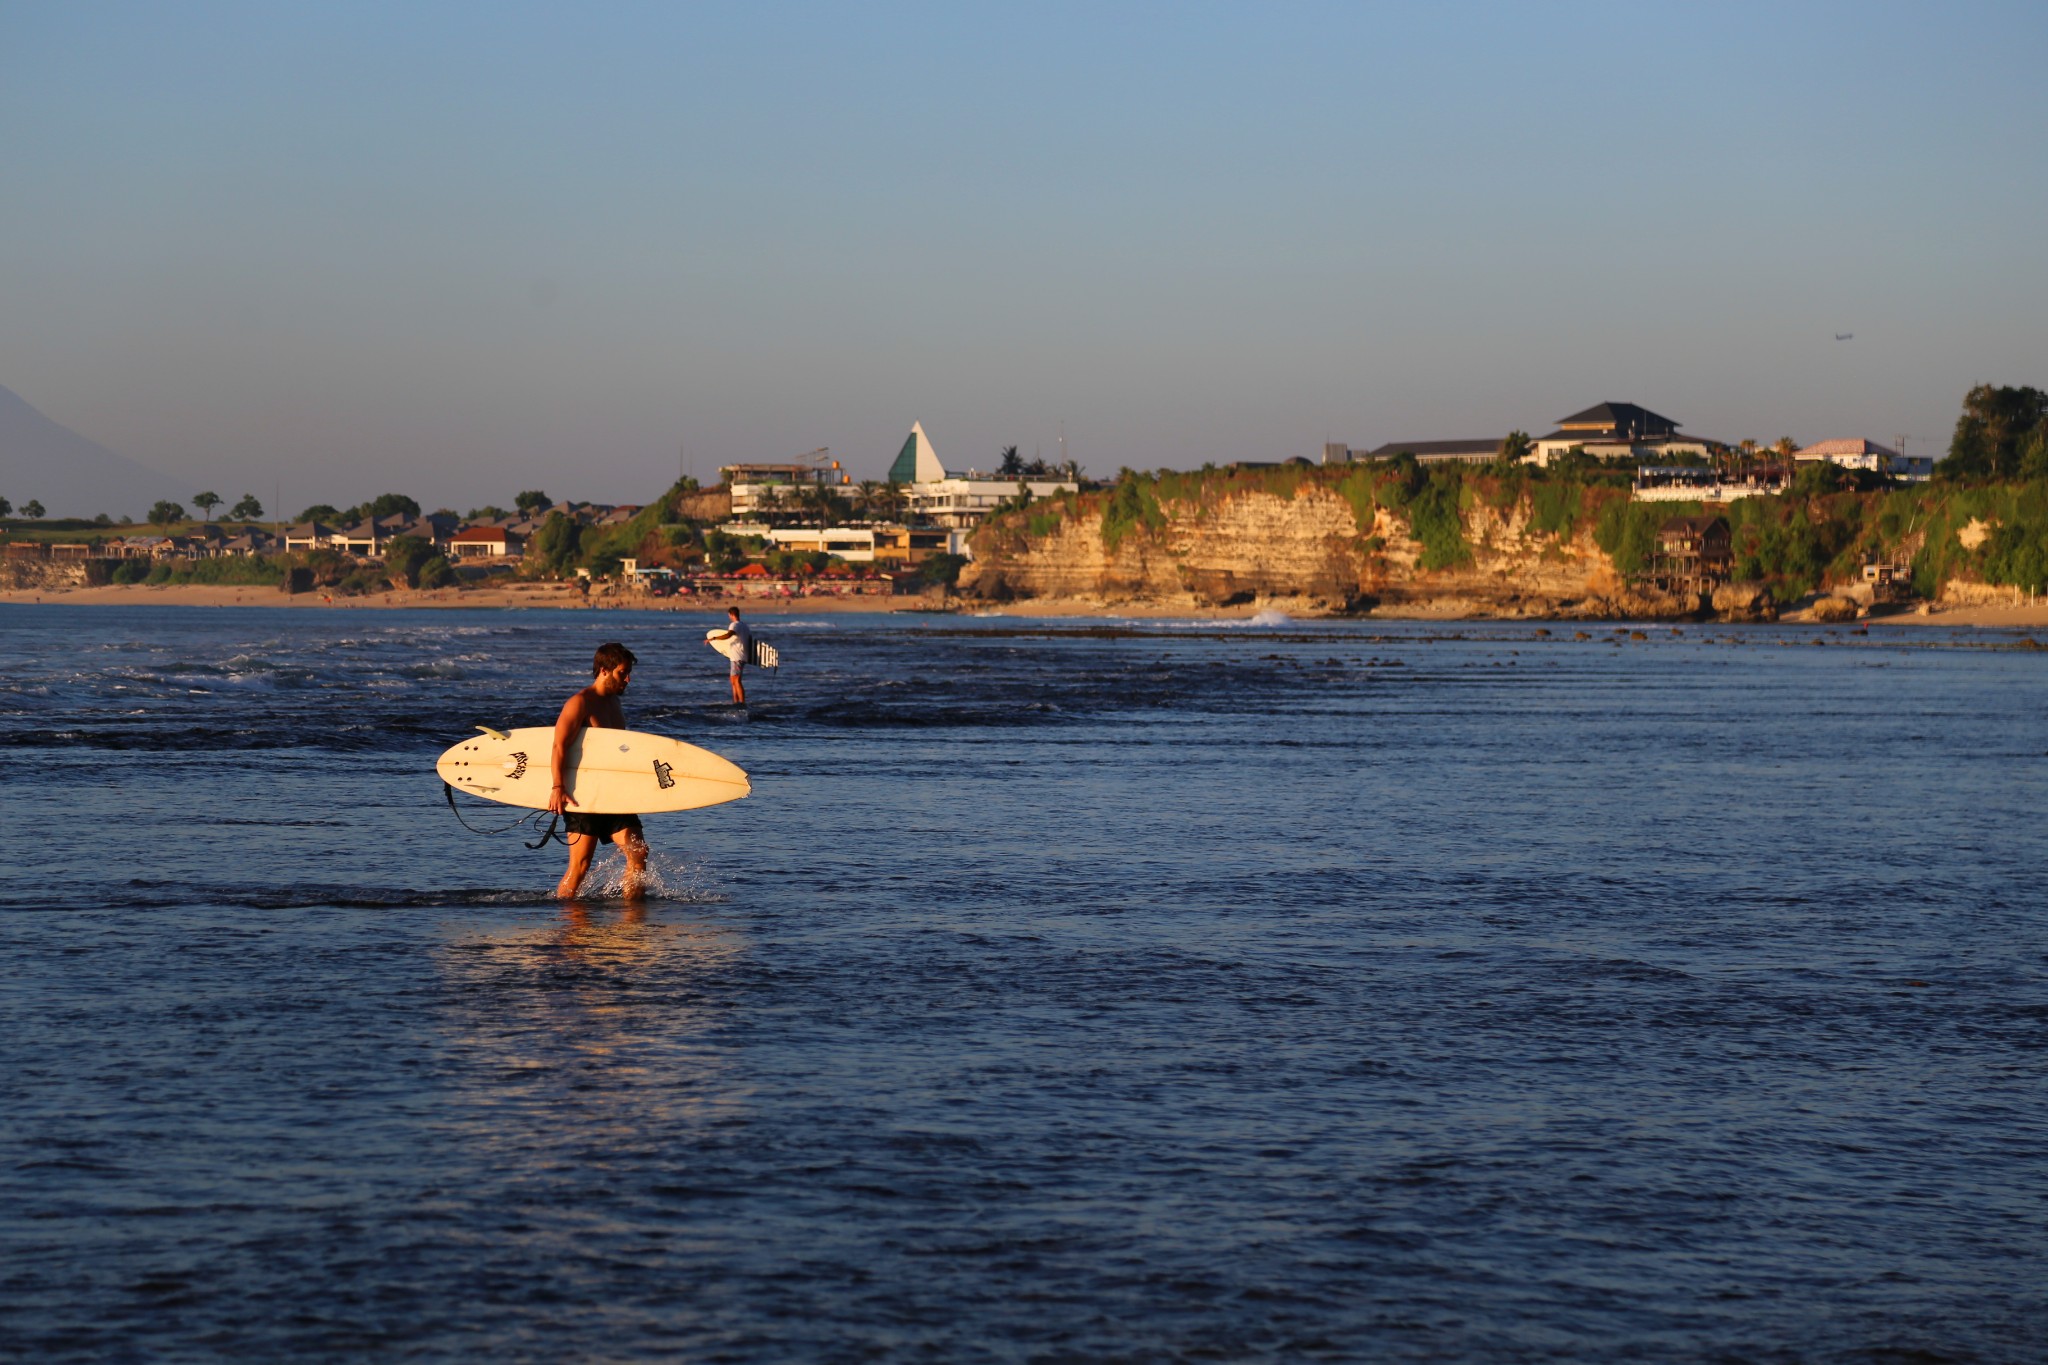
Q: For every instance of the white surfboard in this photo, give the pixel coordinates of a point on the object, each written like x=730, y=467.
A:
x=730, y=646
x=616, y=772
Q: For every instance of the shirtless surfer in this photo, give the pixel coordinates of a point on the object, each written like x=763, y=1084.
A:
x=596, y=707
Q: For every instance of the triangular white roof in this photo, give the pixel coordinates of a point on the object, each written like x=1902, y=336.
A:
x=917, y=462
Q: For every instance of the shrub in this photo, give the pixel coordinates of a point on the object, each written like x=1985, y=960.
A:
x=1131, y=507
x=2018, y=554
x=404, y=556
x=1627, y=531
x=1356, y=488
x=1554, y=506
x=1436, y=517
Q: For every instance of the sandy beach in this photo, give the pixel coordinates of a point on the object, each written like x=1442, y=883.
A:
x=562, y=596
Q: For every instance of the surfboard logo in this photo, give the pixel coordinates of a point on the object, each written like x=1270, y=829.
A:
x=661, y=774
x=515, y=767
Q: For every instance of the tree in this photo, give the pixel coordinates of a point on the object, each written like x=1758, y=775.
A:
x=32, y=509
x=248, y=509
x=164, y=512
x=1515, y=447
x=556, y=543
x=1997, y=423
x=867, y=495
x=206, y=502
x=2033, y=455
x=405, y=556
x=438, y=573
x=321, y=511
x=531, y=501
x=1013, y=463
x=6, y=508
x=388, y=504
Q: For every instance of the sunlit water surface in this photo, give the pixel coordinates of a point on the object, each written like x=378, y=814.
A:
x=1327, y=990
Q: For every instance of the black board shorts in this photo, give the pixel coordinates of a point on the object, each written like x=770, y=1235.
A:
x=601, y=827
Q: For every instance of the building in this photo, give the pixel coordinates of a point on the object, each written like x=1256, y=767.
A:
x=1614, y=431
x=1694, y=554
x=1868, y=455
x=1704, y=483
x=958, y=502
x=854, y=544
x=1438, y=452
x=761, y=488
x=881, y=543
x=486, y=542
x=308, y=535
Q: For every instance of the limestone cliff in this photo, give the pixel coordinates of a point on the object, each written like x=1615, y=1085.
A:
x=1318, y=546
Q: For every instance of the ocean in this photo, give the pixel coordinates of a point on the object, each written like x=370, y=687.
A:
x=1065, y=991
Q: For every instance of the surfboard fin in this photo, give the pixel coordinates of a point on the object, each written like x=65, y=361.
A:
x=494, y=734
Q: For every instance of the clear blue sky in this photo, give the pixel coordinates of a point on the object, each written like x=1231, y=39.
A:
x=460, y=250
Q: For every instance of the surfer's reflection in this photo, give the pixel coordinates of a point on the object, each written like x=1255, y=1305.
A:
x=580, y=932
x=598, y=1022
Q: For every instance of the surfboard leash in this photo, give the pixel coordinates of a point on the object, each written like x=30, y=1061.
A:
x=448, y=793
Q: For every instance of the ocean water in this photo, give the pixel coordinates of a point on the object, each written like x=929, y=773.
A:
x=1065, y=991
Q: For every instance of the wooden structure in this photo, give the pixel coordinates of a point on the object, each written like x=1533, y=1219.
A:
x=1694, y=554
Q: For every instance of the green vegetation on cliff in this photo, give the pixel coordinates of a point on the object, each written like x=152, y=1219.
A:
x=1818, y=534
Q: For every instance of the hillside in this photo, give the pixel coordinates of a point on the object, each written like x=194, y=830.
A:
x=1480, y=542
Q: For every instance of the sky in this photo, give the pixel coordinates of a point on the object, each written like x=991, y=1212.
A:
x=460, y=250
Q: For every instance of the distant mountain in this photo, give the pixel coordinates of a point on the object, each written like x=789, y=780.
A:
x=68, y=474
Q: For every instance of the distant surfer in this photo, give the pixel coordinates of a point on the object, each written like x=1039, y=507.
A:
x=596, y=707
x=738, y=652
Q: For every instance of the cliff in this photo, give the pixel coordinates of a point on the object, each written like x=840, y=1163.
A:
x=52, y=575
x=1488, y=542
x=1314, y=544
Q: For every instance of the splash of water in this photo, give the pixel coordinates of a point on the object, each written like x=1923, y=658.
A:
x=666, y=878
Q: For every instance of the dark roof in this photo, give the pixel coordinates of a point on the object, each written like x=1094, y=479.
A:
x=1599, y=438
x=1621, y=417
x=1698, y=525
x=1442, y=450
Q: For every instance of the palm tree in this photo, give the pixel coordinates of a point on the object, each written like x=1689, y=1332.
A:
x=1785, y=449
x=866, y=495
x=892, y=499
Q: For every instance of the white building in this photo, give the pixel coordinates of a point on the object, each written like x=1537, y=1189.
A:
x=854, y=544
x=959, y=501
x=1869, y=455
x=1610, y=431
x=766, y=487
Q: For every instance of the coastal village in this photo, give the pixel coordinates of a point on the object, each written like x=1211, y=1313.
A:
x=804, y=527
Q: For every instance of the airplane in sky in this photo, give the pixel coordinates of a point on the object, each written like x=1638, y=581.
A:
x=1844, y=336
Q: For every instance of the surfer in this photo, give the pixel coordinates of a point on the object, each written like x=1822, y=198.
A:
x=736, y=629
x=596, y=707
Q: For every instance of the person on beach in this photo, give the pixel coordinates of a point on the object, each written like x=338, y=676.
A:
x=596, y=707
x=736, y=629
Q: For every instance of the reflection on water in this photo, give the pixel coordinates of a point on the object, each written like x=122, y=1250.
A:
x=612, y=1005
